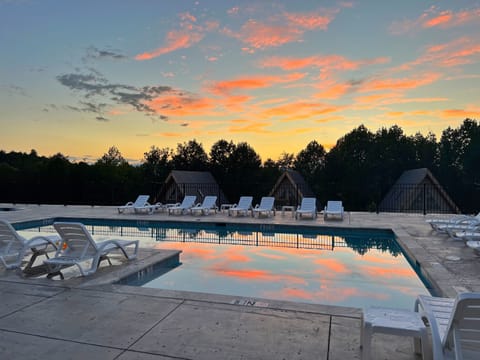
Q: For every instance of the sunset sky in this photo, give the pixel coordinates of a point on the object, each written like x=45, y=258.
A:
x=77, y=77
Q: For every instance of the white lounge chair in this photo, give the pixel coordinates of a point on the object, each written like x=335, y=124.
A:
x=149, y=209
x=78, y=247
x=454, y=324
x=457, y=222
x=14, y=247
x=307, y=207
x=266, y=206
x=183, y=207
x=209, y=203
x=333, y=208
x=243, y=206
x=451, y=220
x=467, y=234
x=141, y=201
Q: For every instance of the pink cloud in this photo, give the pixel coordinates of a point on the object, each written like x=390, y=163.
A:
x=189, y=34
x=254, y=82
x=433, y=18
x=447, y=19
x=325, y=62
x=280, y=29
x=457, y=52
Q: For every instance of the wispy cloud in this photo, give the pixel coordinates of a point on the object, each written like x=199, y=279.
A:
x=280, y=29
x=188, y=34
x=435, y=18
x=95, y=53
x=226, y=87
x=457, y=52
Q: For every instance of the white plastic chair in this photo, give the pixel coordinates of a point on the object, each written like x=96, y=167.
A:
x=141, y=201
x=187, y=203
x=209, y=203
x=307, y=207
x=77, y=247
x=266, y=206
x=333, y=208
x=454, y=324
x=243, y=206
x=14, y=247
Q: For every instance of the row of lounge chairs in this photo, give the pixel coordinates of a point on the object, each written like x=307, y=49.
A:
x=465, y=228
x=308, y=207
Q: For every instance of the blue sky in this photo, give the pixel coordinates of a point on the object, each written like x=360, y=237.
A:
x=77, y=77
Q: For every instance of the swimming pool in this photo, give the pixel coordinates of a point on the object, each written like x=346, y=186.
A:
x=349, y=267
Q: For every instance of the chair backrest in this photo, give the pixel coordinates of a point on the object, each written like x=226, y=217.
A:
x=267, y=203
x=464, y=325
x=79, y=242
x=141, y=200
x=188, y=201
x=334, y=206
x=10, y=241
x=245, y=202
x=209, y=201
x=308, y=203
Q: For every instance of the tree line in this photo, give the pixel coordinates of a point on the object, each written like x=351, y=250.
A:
x=358, y=170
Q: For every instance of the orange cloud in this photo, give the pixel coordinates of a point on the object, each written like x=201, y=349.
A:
x=254, y=82
x=399, y=84
x=470, y=112
x=433, y=18
x=299, y=110
x=447, y=19
x=327, y=62
x=188, y=35
x=442, y=19
x=280, y=29
x=180, y=104
x=175, y=40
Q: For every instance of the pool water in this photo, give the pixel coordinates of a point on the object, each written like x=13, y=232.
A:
x=356, y=268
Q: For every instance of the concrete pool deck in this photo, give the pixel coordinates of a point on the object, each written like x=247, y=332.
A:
x=90, y=318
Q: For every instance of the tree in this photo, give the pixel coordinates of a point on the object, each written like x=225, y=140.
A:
x=311, y=160
x=190, y=156
x=286, y=161
x=221, y=159
x=157, y=162
x=427, y=153
x=245, y=158
x=113, y=157
x=348, y=170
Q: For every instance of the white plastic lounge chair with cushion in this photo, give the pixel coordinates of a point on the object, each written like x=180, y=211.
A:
x=149, y=209
x=307, y=207
x=209, y=203
x=77, y=247
x=467, y=234
x=461, y=223
x=451, y=220
x=142, y=200
x=14, y=247
x=333, y=208
x=182, y=208
x=243, y=206
x=266, y=206
x=454, y=324
x=471, y=225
